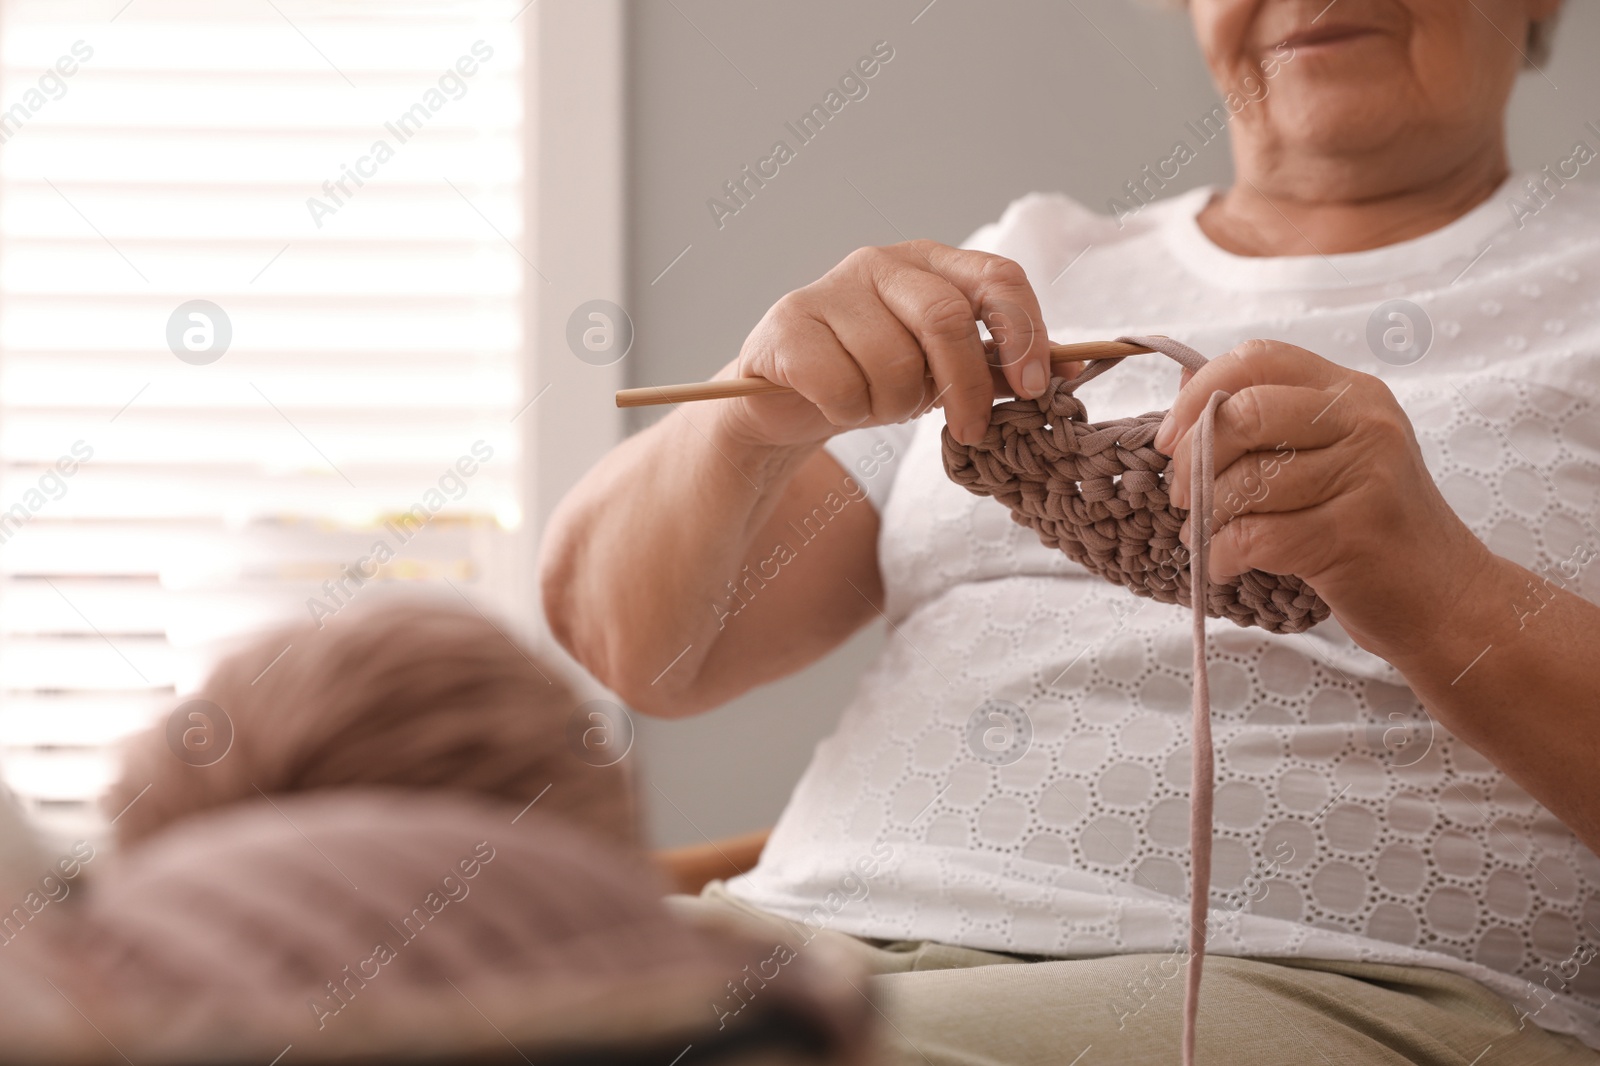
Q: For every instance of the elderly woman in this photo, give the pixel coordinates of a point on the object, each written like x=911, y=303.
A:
x=1407, y=807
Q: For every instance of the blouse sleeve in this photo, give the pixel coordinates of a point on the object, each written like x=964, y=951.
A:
x=872, y=456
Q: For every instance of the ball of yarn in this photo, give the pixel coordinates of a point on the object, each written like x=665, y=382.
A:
x=408, y=694
x=394, y=925
x=1097, y=491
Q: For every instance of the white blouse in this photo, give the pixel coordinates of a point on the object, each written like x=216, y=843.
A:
x=1020, y=749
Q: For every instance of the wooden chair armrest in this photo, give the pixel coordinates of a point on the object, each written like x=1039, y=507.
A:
x=688, y=869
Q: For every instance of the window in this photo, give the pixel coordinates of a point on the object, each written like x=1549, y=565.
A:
x=262, y=289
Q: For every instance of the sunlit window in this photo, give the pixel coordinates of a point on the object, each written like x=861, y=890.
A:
x=260, y=340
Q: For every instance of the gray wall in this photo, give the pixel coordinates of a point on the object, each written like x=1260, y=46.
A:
x=981, y=103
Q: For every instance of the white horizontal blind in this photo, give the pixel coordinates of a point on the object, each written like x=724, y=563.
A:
x=344, y=181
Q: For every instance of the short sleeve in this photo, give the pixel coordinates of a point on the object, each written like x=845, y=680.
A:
x=983, y=238
x=872, y=456
x=1043, y=232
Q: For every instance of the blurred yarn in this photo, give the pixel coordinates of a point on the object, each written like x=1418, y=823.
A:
x=390, y=846
x=383, y=925
x=409, y=694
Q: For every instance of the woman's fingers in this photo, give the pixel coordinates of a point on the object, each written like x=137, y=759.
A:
x=1319, y=474
x=997, y=383
x=941, y=319
x=939, y=293
x=1253, y=363
x=1256, y=419
x=1277, y=481
x=890, y=333
x=805, y=354
x=889, y=358
x=1278, y=543
x=999, y=293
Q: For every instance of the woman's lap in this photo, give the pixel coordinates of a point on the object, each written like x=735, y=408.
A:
x=950, y=1006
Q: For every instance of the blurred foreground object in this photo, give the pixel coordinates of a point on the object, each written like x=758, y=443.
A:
x=408, y=694
x=385, y=846
x=379, y=925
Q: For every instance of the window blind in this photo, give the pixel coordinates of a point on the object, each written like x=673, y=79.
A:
x=260, y=312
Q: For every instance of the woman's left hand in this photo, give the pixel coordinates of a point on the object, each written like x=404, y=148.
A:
x=1319, y=475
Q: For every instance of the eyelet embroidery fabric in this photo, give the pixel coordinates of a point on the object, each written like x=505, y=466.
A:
x=1348, y=825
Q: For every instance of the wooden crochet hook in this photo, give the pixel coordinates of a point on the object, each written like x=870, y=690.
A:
x=650, y=396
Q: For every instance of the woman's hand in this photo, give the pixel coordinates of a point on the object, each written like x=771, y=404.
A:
x=1319, y=475
x=887, y=334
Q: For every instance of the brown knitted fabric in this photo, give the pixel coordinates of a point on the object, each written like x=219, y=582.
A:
x=1098, y=492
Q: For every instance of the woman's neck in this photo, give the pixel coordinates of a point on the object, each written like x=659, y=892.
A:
x=1327, y=207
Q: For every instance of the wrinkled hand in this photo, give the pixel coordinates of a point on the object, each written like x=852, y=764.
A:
x=1319, y=475
x=884, y=336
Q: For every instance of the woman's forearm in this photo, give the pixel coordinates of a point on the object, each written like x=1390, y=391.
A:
x=636, y=552
x=1512, y=667
x=640, y=561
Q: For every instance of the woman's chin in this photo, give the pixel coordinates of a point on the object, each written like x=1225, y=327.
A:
x=1349, y=121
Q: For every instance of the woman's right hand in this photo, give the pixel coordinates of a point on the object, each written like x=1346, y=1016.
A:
x=884, y=336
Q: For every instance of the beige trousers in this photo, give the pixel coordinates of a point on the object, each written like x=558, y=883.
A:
x=950, y=1006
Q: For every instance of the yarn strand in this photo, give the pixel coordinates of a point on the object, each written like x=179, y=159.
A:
x=1097, y=492
x=1202, y=781
x=1202, y=778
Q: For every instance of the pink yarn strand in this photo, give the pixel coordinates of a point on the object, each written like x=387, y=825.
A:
x=1202, y=496
x=1094, y=491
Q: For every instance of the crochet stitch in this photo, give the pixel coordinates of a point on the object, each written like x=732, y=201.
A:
x=1098, y=492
